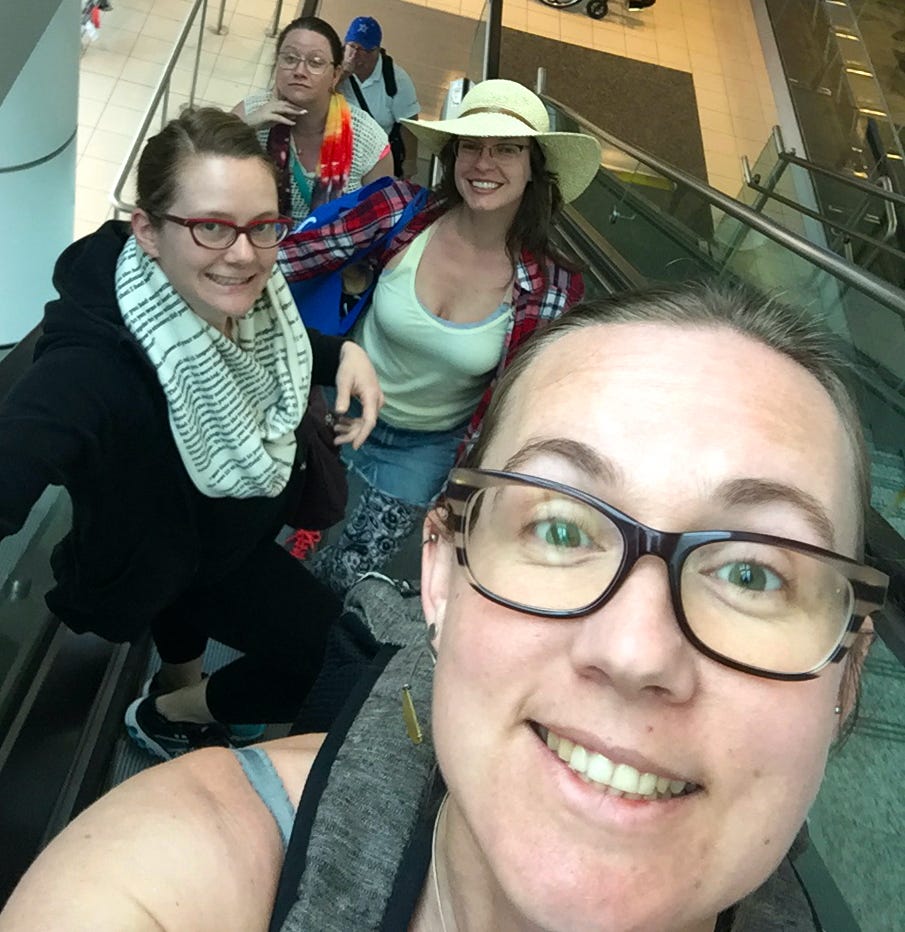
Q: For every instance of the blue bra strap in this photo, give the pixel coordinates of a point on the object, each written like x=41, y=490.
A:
x=266, y=782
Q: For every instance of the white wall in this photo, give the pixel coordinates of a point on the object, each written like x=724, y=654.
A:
x=38, y=119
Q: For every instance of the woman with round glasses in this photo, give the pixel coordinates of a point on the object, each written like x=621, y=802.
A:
x=322, y=145
x=167, y=387
x=649, y=614
x=460, y=288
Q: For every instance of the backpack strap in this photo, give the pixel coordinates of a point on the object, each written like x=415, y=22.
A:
x=389, y=74
x=356, y=89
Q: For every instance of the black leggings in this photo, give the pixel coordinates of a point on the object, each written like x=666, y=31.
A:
x=275, y=612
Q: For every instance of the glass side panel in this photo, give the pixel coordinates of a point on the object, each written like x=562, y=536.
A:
x=860, y=226
x=831, y=81
x=772, y=175
x=860, y=212
x=871, y=237
x=25, y=576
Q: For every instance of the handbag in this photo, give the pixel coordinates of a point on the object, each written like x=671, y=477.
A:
x=325, y=492
x=322, y=303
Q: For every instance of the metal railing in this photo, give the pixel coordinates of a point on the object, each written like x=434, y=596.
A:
x=880, y=192
x=873, y=286
x=221, y=30
x=847, y=232
x=161, y=94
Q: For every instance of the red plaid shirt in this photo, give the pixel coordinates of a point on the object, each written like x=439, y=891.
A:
x=536, y=299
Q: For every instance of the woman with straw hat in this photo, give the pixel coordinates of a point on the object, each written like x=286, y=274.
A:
x=463, y=285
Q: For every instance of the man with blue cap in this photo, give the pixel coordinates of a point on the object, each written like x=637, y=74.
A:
x=382, y=88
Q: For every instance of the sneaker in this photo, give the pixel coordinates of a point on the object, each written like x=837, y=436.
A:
x=636, y=5
x=302, y=543
x=165, y=739
x=240, y=733
x=152, y=685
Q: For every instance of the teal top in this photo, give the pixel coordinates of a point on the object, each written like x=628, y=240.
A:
x=266, y=782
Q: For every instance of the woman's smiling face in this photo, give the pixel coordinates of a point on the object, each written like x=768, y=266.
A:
x=492, y=182
x=677, y=414
x=217, y=284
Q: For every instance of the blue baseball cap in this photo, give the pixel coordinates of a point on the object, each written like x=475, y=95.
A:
x=364, y=31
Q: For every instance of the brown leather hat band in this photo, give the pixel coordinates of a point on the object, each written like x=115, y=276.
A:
x=511, y=113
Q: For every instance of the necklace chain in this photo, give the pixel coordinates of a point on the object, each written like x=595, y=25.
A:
x=434, y=876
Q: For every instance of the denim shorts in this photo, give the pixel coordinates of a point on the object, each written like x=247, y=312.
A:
x=411, y=465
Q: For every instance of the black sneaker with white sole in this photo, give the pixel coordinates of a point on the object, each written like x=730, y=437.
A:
x=157, y=735
x=240, y=734
x=636, y=5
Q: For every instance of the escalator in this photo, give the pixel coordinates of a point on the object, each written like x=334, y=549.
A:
x=640, y=221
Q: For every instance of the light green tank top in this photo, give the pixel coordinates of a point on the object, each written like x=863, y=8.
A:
x=433, y=372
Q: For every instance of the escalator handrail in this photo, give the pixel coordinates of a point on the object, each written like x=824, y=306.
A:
x=882, y=292
x=163, y=87
x=881, y=244
x=858, y=184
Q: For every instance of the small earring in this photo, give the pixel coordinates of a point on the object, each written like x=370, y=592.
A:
x=837, y=710
x=431, y=538
x=431, y=637
x=409, y=712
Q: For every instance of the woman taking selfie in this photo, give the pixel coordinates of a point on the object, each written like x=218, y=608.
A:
x=167, y=387
x=461, y=287
x=322, y=145
x=628, y=724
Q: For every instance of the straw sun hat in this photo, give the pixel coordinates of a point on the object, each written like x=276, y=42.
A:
x=505, y=108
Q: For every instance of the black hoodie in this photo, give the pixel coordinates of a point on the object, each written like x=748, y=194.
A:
x=90, y=415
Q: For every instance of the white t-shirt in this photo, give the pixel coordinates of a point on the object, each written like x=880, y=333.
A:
x=385, y=109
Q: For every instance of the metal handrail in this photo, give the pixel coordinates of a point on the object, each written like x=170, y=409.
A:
x=858, y=184
x=161, y=92
x=882, y=190
x=848, y=180
x=847, y=231
x=884, y=293
x=892, y=218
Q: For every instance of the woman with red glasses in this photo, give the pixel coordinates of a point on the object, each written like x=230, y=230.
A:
x=165, y=394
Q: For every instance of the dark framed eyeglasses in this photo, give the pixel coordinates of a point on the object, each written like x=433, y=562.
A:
x=470, y=150
x=765, y=605
x=212, y=233
x=316, y=64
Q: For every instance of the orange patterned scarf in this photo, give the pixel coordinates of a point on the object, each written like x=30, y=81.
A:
x=335, y=162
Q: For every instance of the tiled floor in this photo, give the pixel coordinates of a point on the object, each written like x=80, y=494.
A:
x=714, y=40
